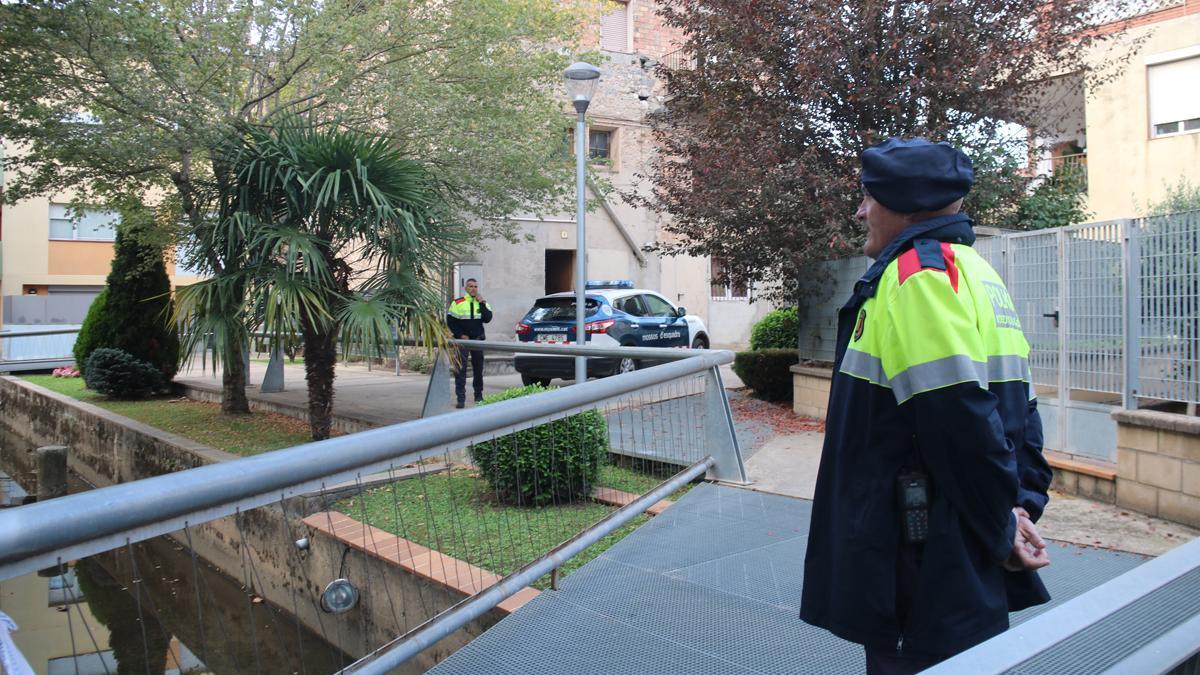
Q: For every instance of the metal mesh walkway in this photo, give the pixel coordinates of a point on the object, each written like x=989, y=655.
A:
x=711, y=585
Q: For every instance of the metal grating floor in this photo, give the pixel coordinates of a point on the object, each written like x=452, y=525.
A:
x=711, y=585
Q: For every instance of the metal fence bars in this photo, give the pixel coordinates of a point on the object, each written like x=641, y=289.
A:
x=406, y=495
x=1111, y=311
x=30, y=348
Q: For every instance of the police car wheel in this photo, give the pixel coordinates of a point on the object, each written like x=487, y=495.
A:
x=699, y=343
x=529, y=379
x=626, y=365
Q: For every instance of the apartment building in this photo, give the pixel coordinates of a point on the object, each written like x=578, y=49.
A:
x=54, y=259
x=633, y=41
x=1138, y=132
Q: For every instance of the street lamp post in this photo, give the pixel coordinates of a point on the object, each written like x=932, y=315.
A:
x=581, y=79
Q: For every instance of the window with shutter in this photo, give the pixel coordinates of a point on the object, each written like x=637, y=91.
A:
x=1174, y=96
x=614, y=27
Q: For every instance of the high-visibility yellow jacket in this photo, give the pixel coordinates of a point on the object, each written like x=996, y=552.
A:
x=466, y=316
x=932, y=375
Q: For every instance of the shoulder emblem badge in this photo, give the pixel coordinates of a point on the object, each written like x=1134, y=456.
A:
x=862, y=321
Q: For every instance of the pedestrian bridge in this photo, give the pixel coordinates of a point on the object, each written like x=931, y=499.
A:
x=712, y=584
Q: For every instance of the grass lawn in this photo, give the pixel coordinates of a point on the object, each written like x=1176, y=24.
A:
x=458, y=514
x=199, y=421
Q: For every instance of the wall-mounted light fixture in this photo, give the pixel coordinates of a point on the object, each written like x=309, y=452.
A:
x=339, y=596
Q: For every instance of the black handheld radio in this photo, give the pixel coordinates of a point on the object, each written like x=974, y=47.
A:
x=912, y=493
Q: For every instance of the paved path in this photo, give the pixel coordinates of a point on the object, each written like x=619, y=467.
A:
x=779, y=463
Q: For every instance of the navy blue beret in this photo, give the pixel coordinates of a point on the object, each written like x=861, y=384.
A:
x=915, y=175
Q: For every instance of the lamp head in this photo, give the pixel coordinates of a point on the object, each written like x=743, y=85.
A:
x=581, y=79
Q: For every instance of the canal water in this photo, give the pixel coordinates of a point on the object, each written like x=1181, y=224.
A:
x=149, y=608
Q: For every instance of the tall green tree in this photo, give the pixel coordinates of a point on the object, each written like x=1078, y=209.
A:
x=759, y=145
x=111, y=97
x=348, y=236
x=137, y=303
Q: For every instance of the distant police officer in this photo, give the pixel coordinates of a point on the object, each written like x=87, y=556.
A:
x=922, y=538
x=465, y=318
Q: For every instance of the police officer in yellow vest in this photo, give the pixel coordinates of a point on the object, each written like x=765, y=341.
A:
x=465, y=318
x=922, y=537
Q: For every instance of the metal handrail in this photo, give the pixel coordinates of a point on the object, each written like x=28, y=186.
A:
x=395, y=653
x=1021, y=643
x=35, y=333
x=40, y=535
x=572, y=349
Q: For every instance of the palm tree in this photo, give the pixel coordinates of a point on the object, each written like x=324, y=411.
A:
x=347, y=238
x=214, y=312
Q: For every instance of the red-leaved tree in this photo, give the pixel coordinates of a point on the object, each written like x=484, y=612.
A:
x=760, y=139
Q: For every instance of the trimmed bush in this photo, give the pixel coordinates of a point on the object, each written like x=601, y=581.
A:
x=779, y=329
x=96, y=331
x=554, y=462
x=767, y=372
x=117, y=374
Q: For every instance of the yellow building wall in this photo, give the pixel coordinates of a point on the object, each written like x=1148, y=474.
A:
x=80, y=258
x=1127, y=169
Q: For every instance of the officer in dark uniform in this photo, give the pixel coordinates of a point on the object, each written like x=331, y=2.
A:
x=932, y=476
x=465, y=318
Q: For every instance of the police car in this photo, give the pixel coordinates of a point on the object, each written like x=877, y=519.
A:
x=616, y=315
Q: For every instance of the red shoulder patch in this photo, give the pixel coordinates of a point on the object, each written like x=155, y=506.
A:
x=909, y=263
x=460, y=299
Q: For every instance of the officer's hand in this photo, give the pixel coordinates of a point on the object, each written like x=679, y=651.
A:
x=1029, y=549
x=463, y=337
x=479, y=299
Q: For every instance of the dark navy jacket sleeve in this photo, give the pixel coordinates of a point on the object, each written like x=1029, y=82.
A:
x=1034, y=470
x=961, y=443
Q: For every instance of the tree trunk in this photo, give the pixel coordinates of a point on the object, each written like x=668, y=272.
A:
x=320, y=357
x=233, y=383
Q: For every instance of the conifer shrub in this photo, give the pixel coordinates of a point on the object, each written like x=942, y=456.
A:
x=551, y=463
x=96, y=331
x=139, y=303
x=118, y=374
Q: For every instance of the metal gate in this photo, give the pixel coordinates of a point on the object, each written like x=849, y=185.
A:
x=1111, y=311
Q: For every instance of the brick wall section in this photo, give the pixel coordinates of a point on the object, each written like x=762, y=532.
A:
x=1158, y=464
x=1083, y=476
x=810, y=390
x=650, y=36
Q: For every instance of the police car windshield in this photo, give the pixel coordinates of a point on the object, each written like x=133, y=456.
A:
x=560, y=309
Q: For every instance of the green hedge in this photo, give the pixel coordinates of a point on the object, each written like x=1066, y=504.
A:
x=767, y=372
x=554, y=462
x=779, y=329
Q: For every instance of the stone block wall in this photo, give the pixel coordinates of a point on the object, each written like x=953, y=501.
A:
x=1158, y=464
x=810, y=388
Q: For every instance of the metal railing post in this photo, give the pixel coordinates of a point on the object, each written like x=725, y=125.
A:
x=437, y=394
x=1132, y=287
x=719, y=432
x=273, y=380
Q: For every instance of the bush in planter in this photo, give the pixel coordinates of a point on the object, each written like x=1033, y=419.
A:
x=117, y=374
x=767, y=372
x=96, y=331
x=554, y=462
x=779, y=329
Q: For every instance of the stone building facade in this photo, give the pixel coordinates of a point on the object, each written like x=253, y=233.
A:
x=633, y=40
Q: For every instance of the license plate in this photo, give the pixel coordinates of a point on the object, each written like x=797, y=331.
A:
x=551, y=337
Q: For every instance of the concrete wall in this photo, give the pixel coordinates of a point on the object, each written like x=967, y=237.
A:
x=106, y=448
x=1127, y=169
x=810, y=391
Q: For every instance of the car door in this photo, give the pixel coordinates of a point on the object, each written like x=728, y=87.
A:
x=628, y=329
x=660, y=326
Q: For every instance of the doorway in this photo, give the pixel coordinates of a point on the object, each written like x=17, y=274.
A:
x=560, y=271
